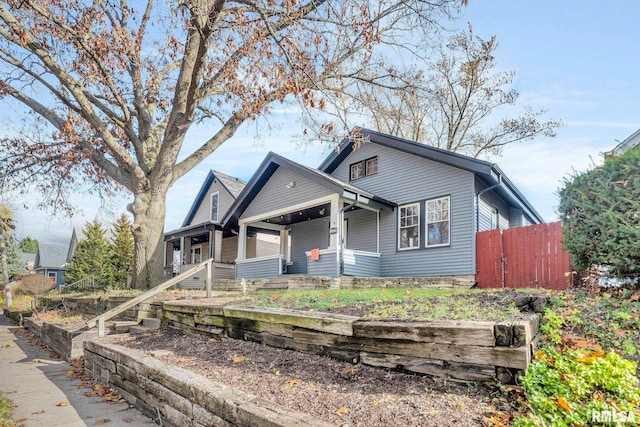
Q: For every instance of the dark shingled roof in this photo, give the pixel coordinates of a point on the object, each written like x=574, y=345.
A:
x=233, y=184
x=51, y=256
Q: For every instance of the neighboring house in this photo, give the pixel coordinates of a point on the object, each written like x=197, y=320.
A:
x=76, y=236
x=390, y=208
x=27, y=261
x=632, y=141
x=51, y=261
x=202, y=236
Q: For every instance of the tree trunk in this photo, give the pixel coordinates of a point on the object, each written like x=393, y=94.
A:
x=5, y=269
x=149, y=212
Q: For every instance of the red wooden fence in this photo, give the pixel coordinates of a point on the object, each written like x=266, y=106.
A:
x=523, y=257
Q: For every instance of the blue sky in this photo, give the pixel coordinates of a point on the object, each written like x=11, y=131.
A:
x=578, y=59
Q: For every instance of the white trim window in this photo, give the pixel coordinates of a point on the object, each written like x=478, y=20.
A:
x=438, y=223
x=409, y=226
x=215, y=205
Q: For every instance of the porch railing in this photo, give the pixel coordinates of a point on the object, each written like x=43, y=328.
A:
x=101, y=319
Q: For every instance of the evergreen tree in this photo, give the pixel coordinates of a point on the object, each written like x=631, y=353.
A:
x=14, y=262
x=28, y=245
x=600, y=212
x=93, y=256
x=122, y=251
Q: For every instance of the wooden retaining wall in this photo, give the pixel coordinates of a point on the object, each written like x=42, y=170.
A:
x=180, y=397
x=468, y=351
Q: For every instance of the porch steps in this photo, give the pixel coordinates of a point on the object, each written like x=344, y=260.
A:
x=122, y=326
x=133, y=327
x=280, y=282
x=148, y=324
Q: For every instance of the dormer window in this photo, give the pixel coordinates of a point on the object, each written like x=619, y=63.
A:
x=364, y=168
x=215, y=203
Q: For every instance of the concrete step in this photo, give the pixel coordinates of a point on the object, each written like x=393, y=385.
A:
x=140, y=329
x=151, y=322
x=122, y=325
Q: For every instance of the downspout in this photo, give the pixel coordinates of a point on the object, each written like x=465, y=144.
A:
x=480, y=193
x=340, y=239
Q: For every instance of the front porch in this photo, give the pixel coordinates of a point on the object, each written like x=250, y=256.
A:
x=190, y=246
x=331, y=237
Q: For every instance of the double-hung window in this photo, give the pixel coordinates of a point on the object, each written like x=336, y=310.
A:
x=363, y=168
x=409, y=226
x=438, y=222
x=215, y=201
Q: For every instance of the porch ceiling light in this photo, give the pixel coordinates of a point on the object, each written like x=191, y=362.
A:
x=291, y=184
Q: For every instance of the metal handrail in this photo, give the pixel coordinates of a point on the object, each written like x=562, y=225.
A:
x=79, y=284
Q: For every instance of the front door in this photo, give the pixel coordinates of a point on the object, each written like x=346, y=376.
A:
x=196, y=254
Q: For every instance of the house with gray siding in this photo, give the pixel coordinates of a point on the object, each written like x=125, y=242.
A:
x=51, y=262
x=379, y=207
x=202, y=236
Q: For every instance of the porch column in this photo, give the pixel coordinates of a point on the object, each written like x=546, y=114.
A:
x=217, y=250
x=335, y=224
x=212, y=242
x=168, y=254
x=183, y=259
x=242, y=241
x=284, y=242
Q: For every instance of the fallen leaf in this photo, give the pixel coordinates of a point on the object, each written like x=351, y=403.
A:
x=213, y=340
x=21, y=420
x=588, y=359
x=563, y=404
x=62, y=404
x=352, y=371
x=635, y=297
x=70, y=373
x=127, y=420
x=341, y=411
x=239, y=359
x=102, y=421
x=42, y=411
x=293, y=382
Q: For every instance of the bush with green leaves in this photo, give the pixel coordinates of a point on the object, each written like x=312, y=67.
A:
x=600, y=212
x=575, y=386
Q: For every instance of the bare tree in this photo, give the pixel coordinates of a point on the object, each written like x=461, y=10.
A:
x=452, y=103
x=119, y=86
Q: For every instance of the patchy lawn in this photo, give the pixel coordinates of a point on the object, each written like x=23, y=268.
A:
x=404, y=304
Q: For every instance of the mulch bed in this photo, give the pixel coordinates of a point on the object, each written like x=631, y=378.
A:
x=335, y=391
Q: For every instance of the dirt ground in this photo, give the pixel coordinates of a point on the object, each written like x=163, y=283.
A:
x=334, y=391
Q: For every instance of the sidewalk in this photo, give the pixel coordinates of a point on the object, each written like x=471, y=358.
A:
x=37, y=384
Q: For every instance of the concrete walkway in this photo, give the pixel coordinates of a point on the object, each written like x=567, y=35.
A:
x=38, y=385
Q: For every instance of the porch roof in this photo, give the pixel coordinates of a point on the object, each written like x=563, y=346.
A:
x=190, y=230
x=268, y=167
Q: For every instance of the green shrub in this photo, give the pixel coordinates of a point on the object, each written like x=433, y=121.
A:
x=577, y=386
x=599, y=212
